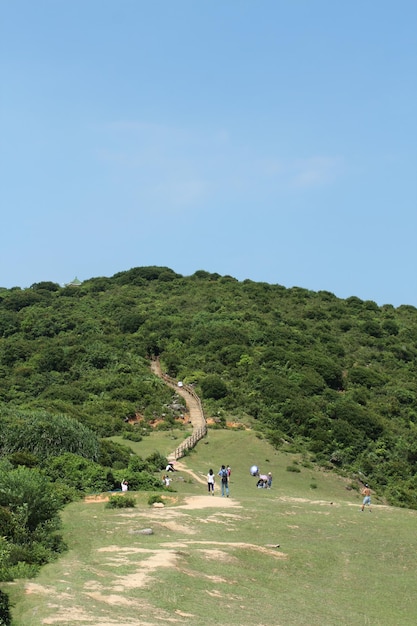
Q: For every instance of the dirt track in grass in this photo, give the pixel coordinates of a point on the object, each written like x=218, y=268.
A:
x=130, y=568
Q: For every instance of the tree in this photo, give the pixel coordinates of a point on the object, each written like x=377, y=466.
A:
x=214, y=387
x=29, y=496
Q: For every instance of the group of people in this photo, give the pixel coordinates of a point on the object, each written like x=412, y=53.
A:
x=224, y=473
x=265, y=481
x=166, y=480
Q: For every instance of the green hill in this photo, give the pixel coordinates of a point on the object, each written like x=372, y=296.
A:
x=335, y=378
x=320, y=391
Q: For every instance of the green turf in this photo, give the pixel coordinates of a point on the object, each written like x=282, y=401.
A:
x=209, y=566
x=164, y=441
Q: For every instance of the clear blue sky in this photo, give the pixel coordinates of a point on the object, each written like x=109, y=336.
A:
x=274, y=140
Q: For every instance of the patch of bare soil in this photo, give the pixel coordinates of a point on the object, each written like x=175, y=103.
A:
x=135, y=567
x=203, y=502
x=97, y=498
x=238, y=544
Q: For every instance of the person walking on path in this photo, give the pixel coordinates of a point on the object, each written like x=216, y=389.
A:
x=225, y=481
x=366, y=492
x=210, y=482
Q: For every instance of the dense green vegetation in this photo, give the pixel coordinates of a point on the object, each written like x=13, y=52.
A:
x=333, y=378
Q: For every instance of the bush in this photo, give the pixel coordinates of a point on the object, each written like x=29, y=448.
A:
x=43, y=434
x=23, y=458
x=132, y=436
x=5, y=549
x=155, y=498
x=7, y=523
x=5, y=617
x=156, y=462
x=21, y=570
x=293, y=468
x=144, y=481
x=80, y=473
x=120, y=502
x=113, y=454
x=137, y=464
x=29, y=496
x=214, y=387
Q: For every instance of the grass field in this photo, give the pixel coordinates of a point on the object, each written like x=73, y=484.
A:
x=212, y=560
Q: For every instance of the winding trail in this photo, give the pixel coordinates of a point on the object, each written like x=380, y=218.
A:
x=195, y=409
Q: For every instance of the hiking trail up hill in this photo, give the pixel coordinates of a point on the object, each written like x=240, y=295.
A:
x=194, y=407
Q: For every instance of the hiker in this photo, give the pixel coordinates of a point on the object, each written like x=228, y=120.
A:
x=210, y=482
x=166, y=480
x=170, y=467
x=225, y=481
x=254, y=471
x=366, y=492
x=269, y=480
x=229, y=471
x=125, y=485
x=262, y=482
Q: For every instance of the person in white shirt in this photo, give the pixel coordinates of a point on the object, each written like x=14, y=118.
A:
x=210, y=482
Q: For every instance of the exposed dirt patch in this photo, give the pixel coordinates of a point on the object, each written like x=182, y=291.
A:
x=239, y=545
x=203, y=502
x=217, y=555
x=97, y=498
x=124, y=569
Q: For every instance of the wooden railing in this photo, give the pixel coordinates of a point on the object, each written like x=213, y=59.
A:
x=198, y=432
x=190, y=442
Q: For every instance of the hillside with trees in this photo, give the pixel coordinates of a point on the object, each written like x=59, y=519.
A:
x=333, y=378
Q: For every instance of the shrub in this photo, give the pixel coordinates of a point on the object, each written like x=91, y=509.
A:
x=144, y=481
x=137, y=464
x=7, y=523
x=43, y=434
x=28, y=494
x=80, y=473
x=21, y=570
x=132, y=436
x=213, y=387
x=5, y=549
x=155, y=498
x=120, y=502
x=156, y=462
x=293, y=468
x=23, y=458
x=5, y=617
x=113, y=454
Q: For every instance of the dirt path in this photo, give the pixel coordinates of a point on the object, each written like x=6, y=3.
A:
x=180, y=467
x=193, y=403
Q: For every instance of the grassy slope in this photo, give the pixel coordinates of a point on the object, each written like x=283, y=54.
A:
x=335, y=565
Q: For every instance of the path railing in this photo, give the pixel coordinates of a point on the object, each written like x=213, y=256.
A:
x=198, y=431
x=190, y=442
